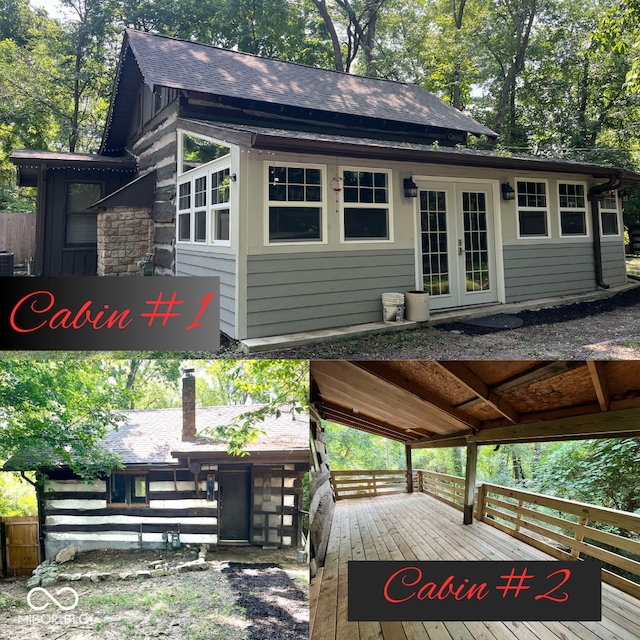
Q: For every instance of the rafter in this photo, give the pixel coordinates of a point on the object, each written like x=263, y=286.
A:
x=600, y=384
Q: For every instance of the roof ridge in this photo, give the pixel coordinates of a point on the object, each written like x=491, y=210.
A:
x=255, y=55
x=209, y=406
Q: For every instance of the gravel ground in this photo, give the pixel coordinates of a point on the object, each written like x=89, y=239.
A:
x=603, y=329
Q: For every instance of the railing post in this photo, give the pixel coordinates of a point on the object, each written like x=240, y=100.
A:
x=582, y=522
x=470, y=481
x=420, y=481
x=519, y=515
x=407, y=453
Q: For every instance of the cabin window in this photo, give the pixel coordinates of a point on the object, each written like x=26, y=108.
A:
x=609, y=215
x=296, y=204
x=81, y=224
x=196, y=151
x=128, y=489
x=203, y=205
x=365, y=200
x=572, y=202
x=533, y=209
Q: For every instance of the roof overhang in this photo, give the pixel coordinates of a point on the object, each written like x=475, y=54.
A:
x=282, y=456
x=427, y=404
x=137, y=193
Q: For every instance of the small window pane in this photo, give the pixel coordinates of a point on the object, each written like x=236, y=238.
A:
x=81, y=195
x=222, y=224
x=81, y=228
x=294, y=224
x=609, y=202
x=363, y=223
x=198, y=151
x=138, y=489
x=201, y=192
x=533, y=223
x=184, y=195
x=573, y=223
x=118, y=488
x=278, y=192
x=313, y=176
x=609, y=224
x=350, y=178
x=220, y=181
x=184, y=227
x=295, y=175
x=201, y=226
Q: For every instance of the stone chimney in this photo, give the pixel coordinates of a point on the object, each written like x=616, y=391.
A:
x=188, y=406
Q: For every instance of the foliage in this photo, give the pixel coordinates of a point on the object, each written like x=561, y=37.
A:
x=282, y=385
x=17, y=497
x=54, y=413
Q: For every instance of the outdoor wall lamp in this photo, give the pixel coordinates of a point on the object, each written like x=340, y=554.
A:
x=233, y=177
x=410, y=188
x=508, y=192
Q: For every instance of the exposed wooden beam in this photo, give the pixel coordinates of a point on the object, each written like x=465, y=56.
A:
x=600, y=384
x=439, y=442
x=470, y=482
x=624, y=423
x=385, y=372
x=471, y=381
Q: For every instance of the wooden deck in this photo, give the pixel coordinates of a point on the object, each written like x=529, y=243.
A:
x=419, y=527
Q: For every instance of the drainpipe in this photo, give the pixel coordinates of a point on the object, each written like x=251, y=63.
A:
x=595, y=196
x=38, y=486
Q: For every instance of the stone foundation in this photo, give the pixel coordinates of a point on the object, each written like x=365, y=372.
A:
x=125, y=236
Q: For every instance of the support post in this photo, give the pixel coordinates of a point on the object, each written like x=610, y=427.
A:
x=407, y=452
x=470, y=481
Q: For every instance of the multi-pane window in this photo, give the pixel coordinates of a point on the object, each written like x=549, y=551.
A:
x=80, y=223
x=366, y=198
x=533, y=209
x=435, y=253
x=573, y=209
x=196, y=152
x=295, y=204
x=609, y=214
x=204, y=205
x=128, y=489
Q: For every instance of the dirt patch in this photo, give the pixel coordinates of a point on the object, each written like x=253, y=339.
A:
x=609, y=329
x=276, y=608
x=202, y=605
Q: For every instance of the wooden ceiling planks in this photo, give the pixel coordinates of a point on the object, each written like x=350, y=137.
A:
x=429, y=403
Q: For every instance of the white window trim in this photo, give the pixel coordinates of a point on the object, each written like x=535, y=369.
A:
x=286, y=203
x=546, y=209
x=179, y=172
x=367, y=205
x=585, y=211
x=611, y=236
x=219, y=164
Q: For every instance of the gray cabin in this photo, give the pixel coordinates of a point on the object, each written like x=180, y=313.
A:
x=311, y=192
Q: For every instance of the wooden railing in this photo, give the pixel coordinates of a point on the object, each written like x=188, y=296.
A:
x=449, y=489
x=362, y=484
x=562, y=529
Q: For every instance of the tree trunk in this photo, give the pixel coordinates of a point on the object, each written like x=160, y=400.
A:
x=321, y=5
x=456, y=94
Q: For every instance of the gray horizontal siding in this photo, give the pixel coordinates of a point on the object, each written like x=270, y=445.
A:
x=544, y=270
x=196, y=263
x=288, y=293
x=614, y=269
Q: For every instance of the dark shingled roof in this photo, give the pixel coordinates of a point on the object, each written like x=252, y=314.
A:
x=152, y=436
x=180, y=64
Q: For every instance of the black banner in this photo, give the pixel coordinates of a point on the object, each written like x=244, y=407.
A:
x=474, y=591
x=169, y=314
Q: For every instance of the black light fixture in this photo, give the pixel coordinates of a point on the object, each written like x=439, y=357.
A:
x=410, y=188
x=508, y=192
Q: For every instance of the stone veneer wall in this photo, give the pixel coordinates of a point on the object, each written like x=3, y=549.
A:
x=124, y=238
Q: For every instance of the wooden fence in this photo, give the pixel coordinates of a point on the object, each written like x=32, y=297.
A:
x=562, y=529
x=19, y=544
x=362, y=484
x=18, y=235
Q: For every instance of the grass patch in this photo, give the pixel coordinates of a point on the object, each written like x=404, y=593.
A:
x=633, y=265
x=8, y=600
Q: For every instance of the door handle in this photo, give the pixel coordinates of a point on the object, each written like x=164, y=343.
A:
x=459, y=247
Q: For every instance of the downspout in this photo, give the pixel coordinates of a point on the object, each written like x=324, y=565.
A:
x=38, y=486
x=595, y=196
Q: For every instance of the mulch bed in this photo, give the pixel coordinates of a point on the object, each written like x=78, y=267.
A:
x=277, y=609
x=565, y=313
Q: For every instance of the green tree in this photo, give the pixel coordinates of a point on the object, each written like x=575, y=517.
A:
x=56, y=413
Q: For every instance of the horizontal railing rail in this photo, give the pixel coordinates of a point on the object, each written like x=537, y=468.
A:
x=361, y=484
x=447, y=488
x=565, y=529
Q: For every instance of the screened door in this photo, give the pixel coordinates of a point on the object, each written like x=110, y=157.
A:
x=234, y=492
x=456, y=244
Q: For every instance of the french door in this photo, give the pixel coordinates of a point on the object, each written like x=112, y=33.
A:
x=456, y=245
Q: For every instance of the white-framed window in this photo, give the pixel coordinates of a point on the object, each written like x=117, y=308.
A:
x=204, y=204
x=572, y=205
x=532, y=203
x=609, y=215
x=366, y=205
x=195, y=151
x=296, y=203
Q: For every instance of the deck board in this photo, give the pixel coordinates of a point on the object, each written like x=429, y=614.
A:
x=419, y=527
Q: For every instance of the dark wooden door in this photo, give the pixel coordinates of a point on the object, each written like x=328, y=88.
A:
x=235, y=492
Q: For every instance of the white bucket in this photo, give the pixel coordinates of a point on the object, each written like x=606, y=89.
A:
x=417, y=306
x=393, y=308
